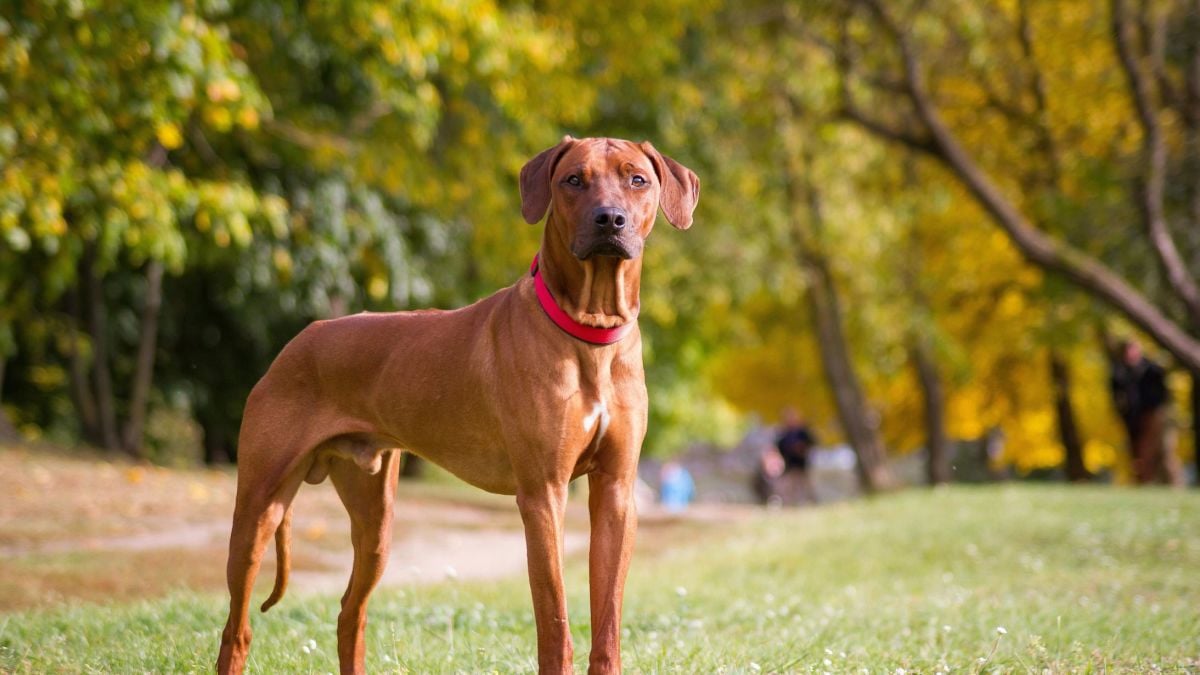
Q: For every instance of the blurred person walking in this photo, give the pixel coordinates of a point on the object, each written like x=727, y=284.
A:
x=794, y=444
x=1139, y=388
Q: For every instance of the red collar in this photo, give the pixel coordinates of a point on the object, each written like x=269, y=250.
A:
x=596, y=336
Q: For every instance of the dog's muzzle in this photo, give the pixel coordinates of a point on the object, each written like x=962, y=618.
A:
x=611, y=246
x=607, y=235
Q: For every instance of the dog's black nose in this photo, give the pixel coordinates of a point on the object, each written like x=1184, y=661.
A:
x=607, y=217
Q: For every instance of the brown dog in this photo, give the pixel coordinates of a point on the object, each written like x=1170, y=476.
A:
x=516, y=394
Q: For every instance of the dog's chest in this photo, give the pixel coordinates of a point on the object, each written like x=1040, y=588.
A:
x=595, y=422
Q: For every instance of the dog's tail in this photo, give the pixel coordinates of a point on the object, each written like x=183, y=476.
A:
x=283, y=559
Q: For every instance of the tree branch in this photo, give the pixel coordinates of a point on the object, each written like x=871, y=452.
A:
x=850, y=112
x=1154, y=149
x=1154, y=46
x=1038, y=247
x=1040, y=99
x=1189, y=108
x=1191, y=96
x=995, y=100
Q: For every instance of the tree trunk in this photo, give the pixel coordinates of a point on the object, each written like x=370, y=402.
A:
x=1196, y=424
x=1189, y=109
x=853, y=411
x=101, y=374
x=143, y=374
x=8, y=432
x=81, y=391
x=1068, y=429
x=937, y=467
x=859, y=423
x=92, y=296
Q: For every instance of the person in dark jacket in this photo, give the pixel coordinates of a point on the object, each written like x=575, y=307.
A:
x=794, y=443
x=1139, y=388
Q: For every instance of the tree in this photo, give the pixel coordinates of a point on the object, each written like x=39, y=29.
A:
x=1156, y=50
x=196, y=183
x=859, y=421
x=927, y=128
x=268, y=164
x=901, y=244
x=89, y=202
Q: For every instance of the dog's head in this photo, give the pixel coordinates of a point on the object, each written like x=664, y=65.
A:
x=606, y=193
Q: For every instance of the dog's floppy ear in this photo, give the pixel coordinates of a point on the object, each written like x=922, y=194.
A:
x=680, y=187
x=535, y=180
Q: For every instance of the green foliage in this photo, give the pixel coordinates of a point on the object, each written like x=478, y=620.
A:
x=288, y=162
x=912, y=255
x=285, y=163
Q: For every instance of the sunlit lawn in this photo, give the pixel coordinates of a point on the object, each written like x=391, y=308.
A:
x=1010, y=578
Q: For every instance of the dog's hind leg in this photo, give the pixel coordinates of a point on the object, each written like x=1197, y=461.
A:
x=264, y=496
x=368, y=498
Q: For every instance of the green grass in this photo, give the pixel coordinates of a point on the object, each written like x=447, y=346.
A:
x=1080, y=579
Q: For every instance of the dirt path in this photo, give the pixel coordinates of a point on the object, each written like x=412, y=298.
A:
x=431, y=557
x=80, y=528
x=463, y=546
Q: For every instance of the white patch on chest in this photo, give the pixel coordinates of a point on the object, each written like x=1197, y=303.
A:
x=598, y=415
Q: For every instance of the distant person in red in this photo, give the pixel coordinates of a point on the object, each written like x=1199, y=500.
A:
x=794, y=444
x=1139, y=388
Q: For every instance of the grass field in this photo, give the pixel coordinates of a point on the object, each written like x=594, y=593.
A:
x=1021, y=578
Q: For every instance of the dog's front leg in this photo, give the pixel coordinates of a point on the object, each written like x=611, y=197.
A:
x=614, y=523
x=542, y=509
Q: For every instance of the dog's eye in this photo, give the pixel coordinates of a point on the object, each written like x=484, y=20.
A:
x=574, y=180
x=638, y=181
